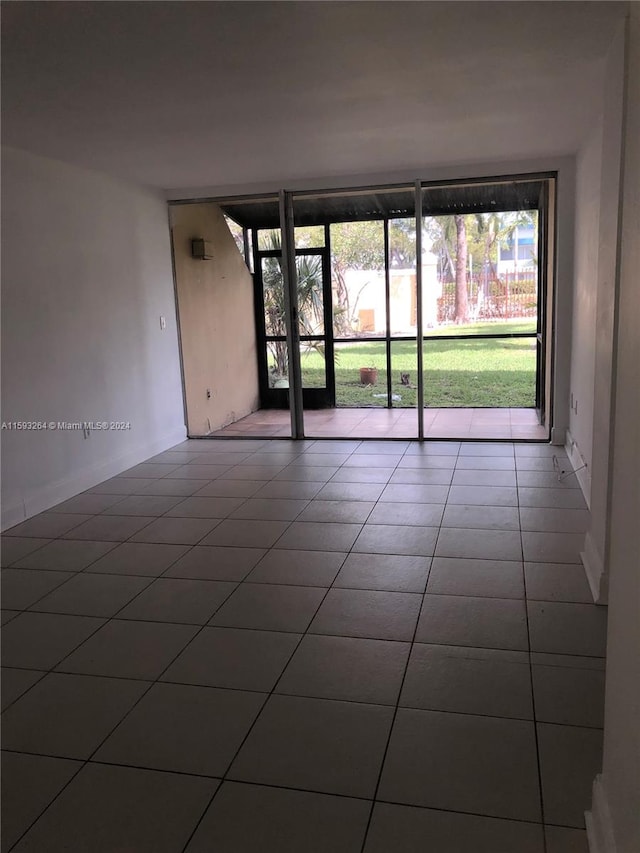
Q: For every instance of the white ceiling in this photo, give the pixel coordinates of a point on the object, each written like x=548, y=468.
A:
x=202, y=94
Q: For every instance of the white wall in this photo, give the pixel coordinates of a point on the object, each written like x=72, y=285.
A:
x=614, y=822
x=595, y=554
x=86, y=276
x=587, y=221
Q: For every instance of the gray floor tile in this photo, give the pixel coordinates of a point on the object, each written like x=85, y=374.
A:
x=483, y=765
x=483, y=544
x=545, y=480
x=47, y=525
x=482, y=578
x=14, y=548
x=288, y=490
x=485, y=462
x=16, y=682
x=298, y=568
x=87, y=503
x=346, y=668
x=432, y=447
x=456, y=620
x=185, y=729
x=68, y=715
x=172, y=486
x=150, y=470
x=281, y=820
x=483, y=517
x=122, y=486
x=384, y=572
x=570, y=759
x=23, y=587
x=147, y=505
x=421, y=515
x=552, y=547
x=362, y=475
x=383, y=448
x=403, y=493
x=569, y=696
x=29, y=784
x=252, y=472
x=562, y=840
x=315, y=744
x=426, y=461
x=138, y=558
x=312, y=459
x=109, y=528
x=66, y=555
x=355, y=512
x=229, y=488
x=249, y=534
x=319, y=535
x=41, y=640
x=339, y=491
x=207, y=562
x=235, y=658
x=396, y=539
x=270, y=509
x=123, y=649
x=92, y=595
x=490, y=477
x=557, y=582
x=483, y=496
x=554, y=520
x=117, y=808
x=8, y=615
x=270, y=607
x=567, y=629
x=406, y=829
x=371, y=460
x=491, y=682
x=204, y=473
x=363, y=613
x=554, y=497
x=178, y=600
x=303, y=473
x=481, y=448
x=422, y=476
x=177, y=531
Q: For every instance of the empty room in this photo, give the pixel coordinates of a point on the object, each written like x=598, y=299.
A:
x=320, y=450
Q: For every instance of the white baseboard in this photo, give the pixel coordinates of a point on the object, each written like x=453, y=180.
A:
x=44, y=497
x=598, y=821
x=594, y=569
x=583, y=475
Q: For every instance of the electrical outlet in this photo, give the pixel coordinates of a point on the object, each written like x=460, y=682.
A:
x=163, y=323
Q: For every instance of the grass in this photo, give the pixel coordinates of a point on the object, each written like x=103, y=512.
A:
x=473, y=373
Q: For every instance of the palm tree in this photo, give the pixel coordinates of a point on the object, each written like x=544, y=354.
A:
x=310, y=304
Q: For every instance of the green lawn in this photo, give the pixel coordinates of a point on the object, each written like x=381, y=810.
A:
x=494, y=373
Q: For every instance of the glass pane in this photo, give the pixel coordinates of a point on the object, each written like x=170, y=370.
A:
x=498, y=373
x=402, y=276
x=309, y=236
x=269, y=239
x=404, y=374
x=273, y=294
x=313, y=364
x=236, y=233
x=357, y=279
x=361, y=375
x=480, y=273
x=310, y=295
x=277, y=364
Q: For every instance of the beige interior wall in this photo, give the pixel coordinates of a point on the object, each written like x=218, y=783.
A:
x=217, y=329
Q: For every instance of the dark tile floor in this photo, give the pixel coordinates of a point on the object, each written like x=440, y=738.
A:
x=331, y=646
